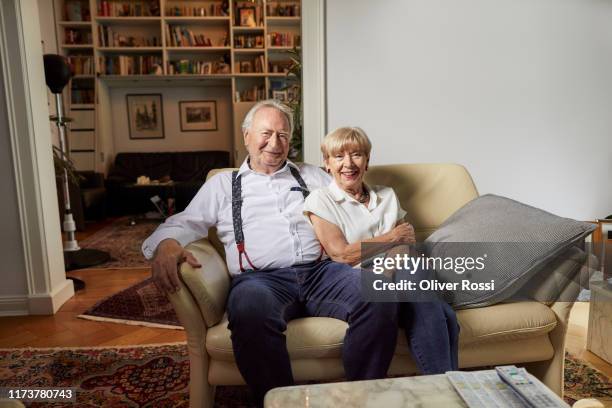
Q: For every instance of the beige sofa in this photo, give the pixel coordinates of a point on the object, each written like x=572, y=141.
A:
x=528, y=333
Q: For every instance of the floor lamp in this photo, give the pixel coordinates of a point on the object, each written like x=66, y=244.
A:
x=57, y=75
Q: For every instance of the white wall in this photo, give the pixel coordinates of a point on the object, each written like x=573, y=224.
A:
x=519, y=91
x=11, y=244
x=174, y=139
x=34, y=232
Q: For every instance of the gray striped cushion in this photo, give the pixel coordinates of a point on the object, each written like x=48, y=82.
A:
x=519, y=241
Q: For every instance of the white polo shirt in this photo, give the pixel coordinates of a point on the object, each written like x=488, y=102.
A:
x=276, y=235
x=357, y=221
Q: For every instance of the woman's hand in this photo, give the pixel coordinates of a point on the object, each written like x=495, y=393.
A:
x=403, y=233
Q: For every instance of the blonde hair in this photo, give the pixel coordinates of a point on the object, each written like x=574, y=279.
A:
x=344, y=138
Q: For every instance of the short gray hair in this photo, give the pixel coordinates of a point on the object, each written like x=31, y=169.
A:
x=269, y=103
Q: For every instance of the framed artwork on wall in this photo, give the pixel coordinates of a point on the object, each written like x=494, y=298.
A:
x=198, y=115
x=145, y=116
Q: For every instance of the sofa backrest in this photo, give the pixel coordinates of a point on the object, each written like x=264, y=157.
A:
x=429, y=192
x=180, y=166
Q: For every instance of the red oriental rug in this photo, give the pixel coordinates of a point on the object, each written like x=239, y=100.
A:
x=125, y=377
x=141, y=304
x=122, y=241
x=158, y=376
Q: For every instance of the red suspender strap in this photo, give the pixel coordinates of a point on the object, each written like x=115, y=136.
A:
x=237, y=213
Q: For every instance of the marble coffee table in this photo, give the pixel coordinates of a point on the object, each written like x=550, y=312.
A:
x=432, y=391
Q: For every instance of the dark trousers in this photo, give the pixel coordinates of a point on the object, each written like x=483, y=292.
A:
x=262, y=302
x=433, y=335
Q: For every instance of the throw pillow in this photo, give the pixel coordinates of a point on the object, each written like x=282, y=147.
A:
x=513, y=240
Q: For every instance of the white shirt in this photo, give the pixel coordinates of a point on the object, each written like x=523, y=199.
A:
x=356, y=221
x=276, y=235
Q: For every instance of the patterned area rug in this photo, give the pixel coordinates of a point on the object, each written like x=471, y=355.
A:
x=584, y=381
x=143, y=376
x=122, y=241
x=142, y=304
x=158, y=376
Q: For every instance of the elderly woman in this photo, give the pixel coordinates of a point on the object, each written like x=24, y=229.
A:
x=348, y=212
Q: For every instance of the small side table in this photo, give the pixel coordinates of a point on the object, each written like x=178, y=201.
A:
x=599, y=338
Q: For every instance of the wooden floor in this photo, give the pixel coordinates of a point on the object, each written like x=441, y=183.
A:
x=64, y=329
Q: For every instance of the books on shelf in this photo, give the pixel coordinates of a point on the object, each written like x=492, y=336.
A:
x=77, y=37
x=77, y=10
x=278, y=9
x=82, y=64
x=255, y=65
x=110, y=37
x=131, y=65
x=197, y=67
x=276, y=39
x=178, y=36
x=220, y=9
x=142, y=8
x=248, y=41
x=254, y=94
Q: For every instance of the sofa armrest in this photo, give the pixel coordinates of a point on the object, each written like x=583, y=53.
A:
x=210, y=284
x=200, y=394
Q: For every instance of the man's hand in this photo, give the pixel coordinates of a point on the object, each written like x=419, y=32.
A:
x=403, y=233
x=168, y=257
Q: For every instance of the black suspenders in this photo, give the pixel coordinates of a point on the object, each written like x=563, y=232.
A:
x=237, y=211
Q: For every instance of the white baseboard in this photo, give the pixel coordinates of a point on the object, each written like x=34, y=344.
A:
x=49, y=303
x=13, y=305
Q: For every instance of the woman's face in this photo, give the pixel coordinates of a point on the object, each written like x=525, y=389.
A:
x=348, y=168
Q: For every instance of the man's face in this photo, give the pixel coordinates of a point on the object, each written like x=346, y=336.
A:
x=267, y=140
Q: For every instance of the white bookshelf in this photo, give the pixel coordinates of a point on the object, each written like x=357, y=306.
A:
x=184, y=15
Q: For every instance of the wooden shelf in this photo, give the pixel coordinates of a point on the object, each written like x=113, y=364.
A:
x=249, y=50
x=82, y=106
x=277, y=48
x=194, y=19
x=283, y=20
x=83, y=76
x=74, y=23
x=198, y=49
x=130, y=49
x=250, y=74
x=247, y=29
x=77, y=46
x=118, y=81
x=127, y=20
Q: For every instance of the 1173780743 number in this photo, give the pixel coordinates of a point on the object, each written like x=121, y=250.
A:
x=39, y=394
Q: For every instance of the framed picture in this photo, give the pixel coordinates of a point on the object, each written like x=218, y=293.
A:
x=145, y=116
x=280, y=95
x=198, y=115
x=247, y=16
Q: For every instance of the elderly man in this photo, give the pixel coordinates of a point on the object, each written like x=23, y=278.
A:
x=276, y=263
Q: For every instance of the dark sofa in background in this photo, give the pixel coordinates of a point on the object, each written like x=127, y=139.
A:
x=187, y=170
